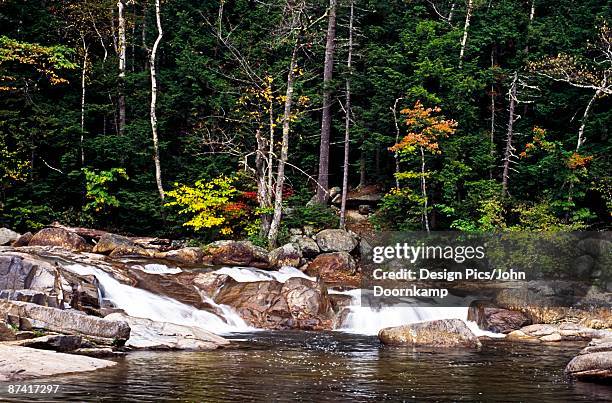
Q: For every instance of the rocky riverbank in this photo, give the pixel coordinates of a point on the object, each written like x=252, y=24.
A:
x=54, y=287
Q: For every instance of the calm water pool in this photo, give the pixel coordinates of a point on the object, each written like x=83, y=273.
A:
x=330, y=367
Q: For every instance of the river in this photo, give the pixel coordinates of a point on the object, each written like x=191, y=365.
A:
x=331, y=366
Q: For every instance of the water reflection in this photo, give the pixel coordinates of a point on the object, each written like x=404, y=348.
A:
x=331, y=367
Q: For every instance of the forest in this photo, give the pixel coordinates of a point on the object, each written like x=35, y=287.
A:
x=235, y=118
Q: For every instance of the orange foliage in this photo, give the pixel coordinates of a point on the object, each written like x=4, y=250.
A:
x=576, y=161
x=424, y=129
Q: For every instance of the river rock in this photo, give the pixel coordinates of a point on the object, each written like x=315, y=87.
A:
x=236, y=253
x=124, y=250
x=33, y=296
x=259, y=303
x=542, y=302
x=210, y=283
x=582, y=266
x=593, y=363
x=495, y=319
x=332, y=267
x=188, y=255
x=560, y=332
x=297, y=304
x=519, y=335
x=56, y=342
x=595, y=247
x=99, y=352
x=18, y=363
x=23, y=240
x=28, y=278
x=286, y=255
x=30, y=316
x=59, y=237
x=8, y=236
x=307, y=245
x=6, y=332
x=336, y=240
x=109, y=242
x=307, y=302
x=363, y=209
x=437, y=333
x=20, y=272
x=149, y=334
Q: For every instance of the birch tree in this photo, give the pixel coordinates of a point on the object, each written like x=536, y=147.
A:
x=121, y=53
x=594, y=75
x=466, y=26
x=160, y=33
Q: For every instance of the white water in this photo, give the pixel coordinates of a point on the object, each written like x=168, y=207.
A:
x=143, y=304
x=249, y=274
x=156, y=268
x=363, y=319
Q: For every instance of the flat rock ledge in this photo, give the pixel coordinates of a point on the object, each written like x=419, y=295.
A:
x=152, y=335
x=18, y=363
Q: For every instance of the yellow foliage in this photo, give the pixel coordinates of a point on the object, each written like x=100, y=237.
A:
x=206, y=202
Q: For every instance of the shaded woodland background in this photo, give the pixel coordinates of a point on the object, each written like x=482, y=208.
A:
x=525, y=84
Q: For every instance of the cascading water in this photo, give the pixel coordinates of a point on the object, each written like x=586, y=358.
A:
x=363, y=319
x=143, y=304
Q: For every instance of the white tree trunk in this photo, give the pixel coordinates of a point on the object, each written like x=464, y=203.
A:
x=492, y=133
x=158, y=178
x=121, y=50
x=424, y=191
x=397, y=137
x=263, y=197
x=451, y=12
x=508, y=153
x=280, y=176
x=83, y=82
x=468, y=17
x=271, y=152
x=347, y=121
x=581, y=139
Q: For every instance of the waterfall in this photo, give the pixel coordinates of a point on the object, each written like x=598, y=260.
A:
x=363, y=319
x=360, y=319
x=249, y=274
x=370, y=320
x=156, y=268
x=143, y=304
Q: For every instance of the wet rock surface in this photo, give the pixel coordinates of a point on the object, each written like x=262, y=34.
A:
x=593, y=363
x=149, y=334
x=19, y=363
x=286, y=255
x=296, y=304
x=492, y=318
x=109, y=242
x=558, y=332
x=335, y=267
x=27, y=316
x=439, y=333
x=57, y=342
x=236, y=253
